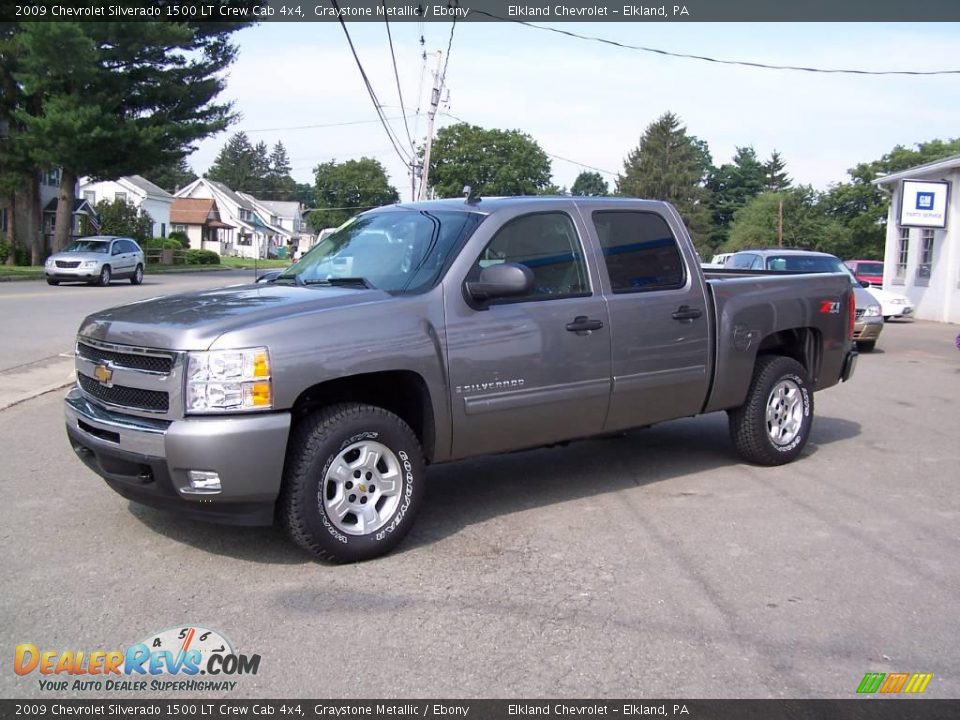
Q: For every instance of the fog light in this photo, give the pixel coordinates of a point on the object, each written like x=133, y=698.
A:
x=202, y=482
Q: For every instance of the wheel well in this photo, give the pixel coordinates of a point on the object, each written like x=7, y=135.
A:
x=805, y=345
x=402, y=392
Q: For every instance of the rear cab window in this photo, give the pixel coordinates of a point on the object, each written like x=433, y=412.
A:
x=640, y=251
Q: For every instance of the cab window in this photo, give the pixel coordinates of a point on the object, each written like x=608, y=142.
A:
x=640, y=251
x=548, y=244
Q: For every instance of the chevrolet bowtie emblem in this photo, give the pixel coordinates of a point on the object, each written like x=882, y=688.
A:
x=103, y=373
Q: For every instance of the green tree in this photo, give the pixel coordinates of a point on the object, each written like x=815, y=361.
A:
x=278, y=184
x=236, y=165
x=590, y=184
x=347, y=188
x=171, y=176
x=730, y=187
x=119, y=98
x=305, y=194
x=775, y=173
x=492, y=162
x=669, y=164
x=118, y=217
x=862, y=208
x=805, y=223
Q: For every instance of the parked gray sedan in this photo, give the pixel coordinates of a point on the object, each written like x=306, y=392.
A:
x=96, y=260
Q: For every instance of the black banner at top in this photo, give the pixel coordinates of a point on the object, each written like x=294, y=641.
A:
x=540, y=11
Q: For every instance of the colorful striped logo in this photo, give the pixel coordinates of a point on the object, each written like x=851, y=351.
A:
x=894, y=683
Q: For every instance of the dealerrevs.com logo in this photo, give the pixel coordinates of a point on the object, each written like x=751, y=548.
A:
x=186, y=658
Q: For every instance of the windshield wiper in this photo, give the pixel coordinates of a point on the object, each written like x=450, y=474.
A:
x=359, y=282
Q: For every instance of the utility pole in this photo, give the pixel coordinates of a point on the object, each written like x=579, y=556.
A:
x=435, y=94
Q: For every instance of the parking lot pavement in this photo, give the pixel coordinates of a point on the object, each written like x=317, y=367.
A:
x=653, y=564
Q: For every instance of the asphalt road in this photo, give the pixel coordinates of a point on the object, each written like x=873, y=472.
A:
x=651, y=565
x=37, y=321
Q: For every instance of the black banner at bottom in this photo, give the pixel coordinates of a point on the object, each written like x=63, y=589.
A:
x=853, y=709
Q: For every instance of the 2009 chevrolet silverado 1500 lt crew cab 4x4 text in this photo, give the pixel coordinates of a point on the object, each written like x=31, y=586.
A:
x=428, y=332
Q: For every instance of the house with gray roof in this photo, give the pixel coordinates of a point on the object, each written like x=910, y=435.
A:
x=135, y=190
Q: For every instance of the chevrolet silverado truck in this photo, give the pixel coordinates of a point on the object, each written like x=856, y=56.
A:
x=428, y=332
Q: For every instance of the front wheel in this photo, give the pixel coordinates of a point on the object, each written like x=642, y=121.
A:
x=866, y=345
x=137, y=276
x=773, y=424
x=104, y=278
x=352, y=484
x=51, y=281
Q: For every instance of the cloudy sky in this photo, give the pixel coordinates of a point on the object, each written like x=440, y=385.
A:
x=588, y=102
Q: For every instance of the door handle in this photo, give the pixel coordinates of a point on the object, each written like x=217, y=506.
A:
x=685, y=312
x=583, y=324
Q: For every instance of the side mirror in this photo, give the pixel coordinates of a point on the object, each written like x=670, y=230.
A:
x=864, y=283
x=500, y=281
x=116, y=250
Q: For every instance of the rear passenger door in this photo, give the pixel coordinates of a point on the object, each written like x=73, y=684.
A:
x=535, y=369
x=658, y=319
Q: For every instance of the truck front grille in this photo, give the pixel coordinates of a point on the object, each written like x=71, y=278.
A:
x=134, y=361
x=137, y=398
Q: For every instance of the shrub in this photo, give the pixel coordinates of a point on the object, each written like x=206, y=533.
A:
x=181, y=237
x=202, y=257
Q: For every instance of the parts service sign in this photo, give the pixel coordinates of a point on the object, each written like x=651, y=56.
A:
x=923, y=204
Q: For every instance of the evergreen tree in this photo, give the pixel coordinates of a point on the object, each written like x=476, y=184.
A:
x=173, y=176
x=236, y=164
x=730, y=187
x=775, y=175
x=590, y=184
x=279, y=185
x=671, y=165
x=118, y=98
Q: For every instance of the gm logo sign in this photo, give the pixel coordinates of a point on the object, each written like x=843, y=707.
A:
x=925, y=200
x=894, y=683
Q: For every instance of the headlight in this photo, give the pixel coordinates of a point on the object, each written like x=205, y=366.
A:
x=898, y=301
x=229, y=381
x=89, y=264
x=872, y=311
x=48, y=262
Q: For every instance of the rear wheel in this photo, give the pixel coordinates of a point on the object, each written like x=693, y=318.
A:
x=105, y=276
x=773, y=425
x=352, y=484
x=137, y=276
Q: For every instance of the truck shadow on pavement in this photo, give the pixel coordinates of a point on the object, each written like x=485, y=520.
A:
x=463, y=493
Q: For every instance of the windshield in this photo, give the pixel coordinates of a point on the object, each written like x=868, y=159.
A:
x=870, y=269
x=395, y=251
x=94, y=246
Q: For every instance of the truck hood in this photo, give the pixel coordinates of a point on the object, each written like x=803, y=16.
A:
x=193, y=321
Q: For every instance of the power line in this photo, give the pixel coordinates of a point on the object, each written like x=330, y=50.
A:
x=396, y=75
x=705, y=58
x=325, y=125
x=366, y=81
x=446, y=60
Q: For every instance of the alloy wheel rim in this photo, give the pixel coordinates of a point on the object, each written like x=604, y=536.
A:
x=362, y=488
x=784, y=416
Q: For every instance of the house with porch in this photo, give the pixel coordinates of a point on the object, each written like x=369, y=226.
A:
x=199, y=219
x=253, y=236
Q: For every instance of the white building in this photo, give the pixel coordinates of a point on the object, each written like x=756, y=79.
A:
x=922, y=253
x=253, y=236
x=136, y=190
x=199, y=219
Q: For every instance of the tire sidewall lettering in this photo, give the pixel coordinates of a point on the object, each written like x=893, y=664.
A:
x=805, y=397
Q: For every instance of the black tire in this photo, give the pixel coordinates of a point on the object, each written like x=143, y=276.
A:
x=887, y=318
x=866, y=345
x=319, y=441
x=105, y=276
x=750, y=431
x=51, y=281
x=137, y=276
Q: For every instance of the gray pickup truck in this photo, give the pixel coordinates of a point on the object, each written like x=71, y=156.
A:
x=428, y=332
